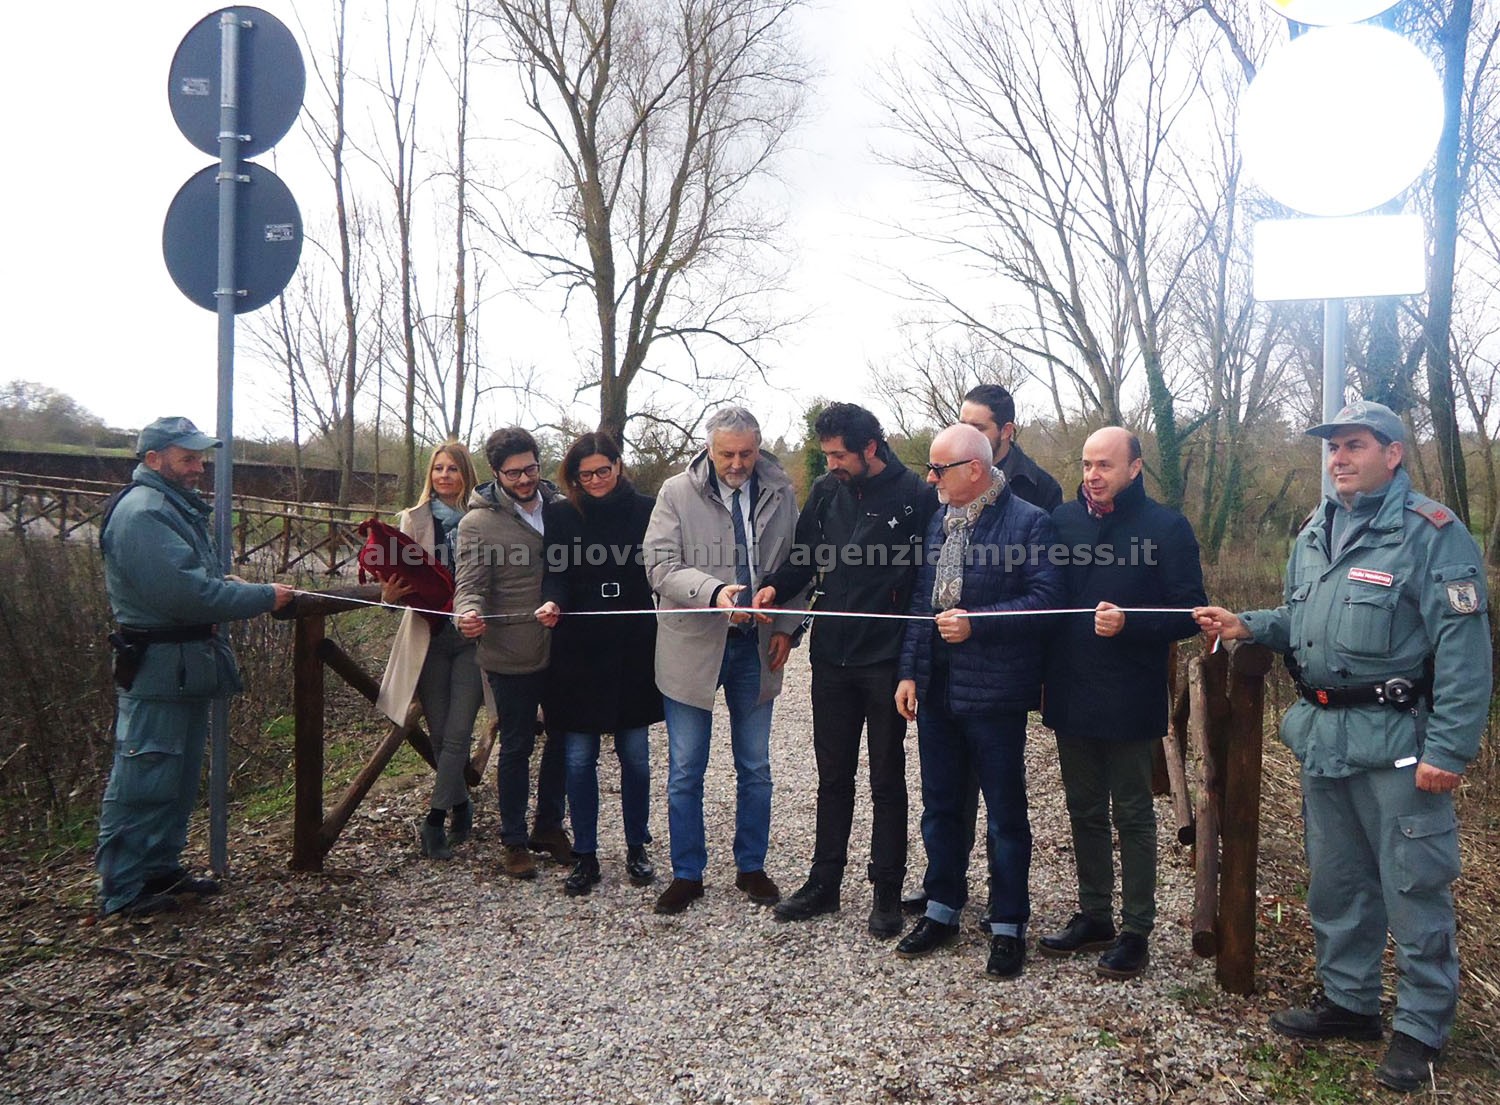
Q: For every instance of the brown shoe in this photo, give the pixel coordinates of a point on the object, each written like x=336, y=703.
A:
x=553, y=843
x=758, y=886
x=679, y=894
x=518, y=863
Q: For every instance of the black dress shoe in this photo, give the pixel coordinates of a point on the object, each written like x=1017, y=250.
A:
x=813, y=898
x=1323, y=1020
x=181, y=881
x=1082, y=933
x=638, y=866
x=885, y=912
x=914, y=904
x=1408, y=1064
x=926, y=938
x=1126, y=957
x=584, y=876
x=1007, y=957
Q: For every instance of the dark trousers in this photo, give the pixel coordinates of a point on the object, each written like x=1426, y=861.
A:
x=1106, y=780
x=516, y=699
x=844, y=701
x=991, y=747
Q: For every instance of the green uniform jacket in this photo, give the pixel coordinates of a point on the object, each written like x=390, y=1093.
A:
x=1409, y=587
x=162, y=573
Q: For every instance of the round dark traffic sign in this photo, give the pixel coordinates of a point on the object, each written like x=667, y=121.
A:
x=268, y=238
x=271, y=81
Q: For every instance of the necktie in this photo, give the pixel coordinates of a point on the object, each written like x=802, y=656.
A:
x=741, y=550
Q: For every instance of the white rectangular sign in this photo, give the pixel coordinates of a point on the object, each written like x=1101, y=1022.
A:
x=1344, y=258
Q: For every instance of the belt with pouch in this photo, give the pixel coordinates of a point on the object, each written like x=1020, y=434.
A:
x=1397, y=693
x=174, y=636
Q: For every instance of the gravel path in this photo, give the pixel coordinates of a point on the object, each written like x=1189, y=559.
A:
x=478, y=988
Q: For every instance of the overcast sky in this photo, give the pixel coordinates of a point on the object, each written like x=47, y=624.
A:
x=95, y=159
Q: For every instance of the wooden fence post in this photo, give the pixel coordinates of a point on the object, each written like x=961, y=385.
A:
x=1248, y=665
x=307, y=710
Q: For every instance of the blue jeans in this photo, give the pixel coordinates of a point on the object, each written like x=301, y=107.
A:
x=991, y=746
x=688, y=730
x=634, y=752
x=516, y=698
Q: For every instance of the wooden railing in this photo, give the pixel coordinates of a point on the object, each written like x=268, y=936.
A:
x=313, y=832
x=279, y=536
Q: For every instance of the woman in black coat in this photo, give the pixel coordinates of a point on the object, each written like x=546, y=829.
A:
x=602, y=675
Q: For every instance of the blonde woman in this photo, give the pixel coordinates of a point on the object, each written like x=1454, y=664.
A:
x=437, y=666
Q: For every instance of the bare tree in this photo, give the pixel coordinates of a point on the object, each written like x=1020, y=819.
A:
x=665, y=117
x=926, y=387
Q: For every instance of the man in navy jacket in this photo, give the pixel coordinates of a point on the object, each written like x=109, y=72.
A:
x=975, y=680
x=1107, y=692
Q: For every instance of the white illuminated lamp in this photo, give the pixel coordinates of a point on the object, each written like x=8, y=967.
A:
x=1325, y=13
x=1341, y=119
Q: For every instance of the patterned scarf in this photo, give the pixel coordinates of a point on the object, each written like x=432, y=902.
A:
x=958, y=525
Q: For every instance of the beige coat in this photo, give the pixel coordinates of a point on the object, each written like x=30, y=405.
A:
x=409, y=646
x=689, y=548
x=500, y=570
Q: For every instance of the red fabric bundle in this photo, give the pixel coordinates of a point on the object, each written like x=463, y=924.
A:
x=390, y=554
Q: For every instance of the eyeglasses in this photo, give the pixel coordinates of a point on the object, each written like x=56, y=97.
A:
x=596, y=473
x=938, y=469
x=520, y=473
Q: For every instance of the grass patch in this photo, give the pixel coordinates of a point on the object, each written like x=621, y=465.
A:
x=1308, y=1075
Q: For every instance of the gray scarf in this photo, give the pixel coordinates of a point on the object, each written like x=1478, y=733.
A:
x=958, y=525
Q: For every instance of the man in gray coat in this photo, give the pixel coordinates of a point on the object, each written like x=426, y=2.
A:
x=717, y=530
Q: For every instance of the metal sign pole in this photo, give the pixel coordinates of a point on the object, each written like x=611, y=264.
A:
x=1334, y=319
x=229, y=179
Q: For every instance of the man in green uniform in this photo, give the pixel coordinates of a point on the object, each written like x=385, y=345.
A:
x=167, y=593
x=1386, y=624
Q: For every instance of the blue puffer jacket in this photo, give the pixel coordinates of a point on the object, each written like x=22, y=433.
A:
x=1000, y=666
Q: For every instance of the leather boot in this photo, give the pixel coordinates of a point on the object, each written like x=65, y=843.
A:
x=811, y=899
x=584, y=875
x=1323, y=1020
x=638, y=866
x=885, y=912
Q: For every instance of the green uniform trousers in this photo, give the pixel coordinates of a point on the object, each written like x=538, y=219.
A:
x=1382, y=856
x=153, y=787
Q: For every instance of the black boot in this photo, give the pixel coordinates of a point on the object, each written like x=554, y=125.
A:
x=885, y=912
x=584, y=875
x=1323, y=1020
x=1408, y=1063
x=814, y=897
x=638, y=866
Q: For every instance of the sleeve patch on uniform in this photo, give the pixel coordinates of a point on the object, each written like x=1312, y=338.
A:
x=1463, y=597
x=1369, y=575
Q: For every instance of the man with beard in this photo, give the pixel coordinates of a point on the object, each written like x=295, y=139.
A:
x=168, y=594
x=500, y=567
x=858, y=534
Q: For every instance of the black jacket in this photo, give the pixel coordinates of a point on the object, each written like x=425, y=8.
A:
x=602, y=676
x=1115, y=688
x=883, y=518
x=1027, y=479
